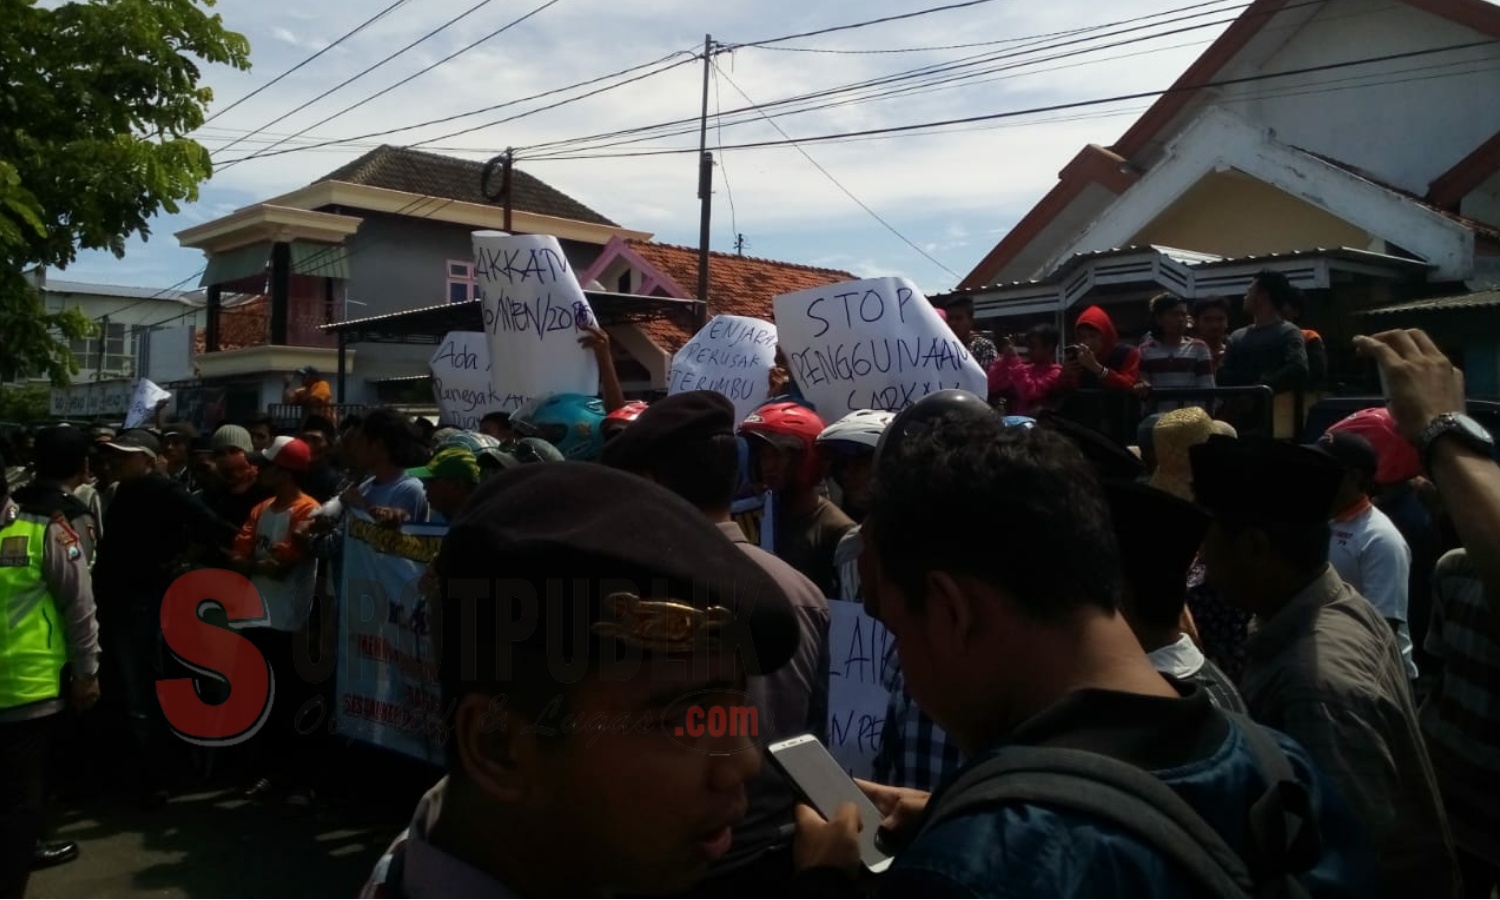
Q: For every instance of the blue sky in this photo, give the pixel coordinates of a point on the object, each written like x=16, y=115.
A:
x=954, y=194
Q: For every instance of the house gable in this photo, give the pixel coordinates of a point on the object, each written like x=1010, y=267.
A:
x=1219, y=142
x=1309, y=110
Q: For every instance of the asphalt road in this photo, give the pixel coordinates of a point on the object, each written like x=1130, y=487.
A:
x=210, y=842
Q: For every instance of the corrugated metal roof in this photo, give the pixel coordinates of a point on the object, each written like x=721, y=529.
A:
x=55, y=286
x=1479, y=300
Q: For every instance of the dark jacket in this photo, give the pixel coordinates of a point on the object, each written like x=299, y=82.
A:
x=151, y=524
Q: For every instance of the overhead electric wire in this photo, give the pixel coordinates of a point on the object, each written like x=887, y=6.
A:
x=876, y=82
x=1056, y=107
x=934, y=69
x=734, y=219
x=864, y=24
x=840, y=185
x=339, y=40
x=362, y=73
x=423, y=71
x=335, y=142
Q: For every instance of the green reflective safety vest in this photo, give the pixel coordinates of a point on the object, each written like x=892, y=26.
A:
x=33, y=645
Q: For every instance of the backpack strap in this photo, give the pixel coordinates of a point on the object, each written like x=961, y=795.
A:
x=1284, y=836
x=1125, y=796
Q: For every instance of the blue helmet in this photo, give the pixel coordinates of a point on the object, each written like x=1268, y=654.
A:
x=569, y=422
x=1019, y=422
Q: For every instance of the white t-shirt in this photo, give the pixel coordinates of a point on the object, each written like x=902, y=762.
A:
x=288, y=600
x=1370, y=554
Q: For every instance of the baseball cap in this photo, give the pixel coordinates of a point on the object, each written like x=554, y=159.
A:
x=136, y=440
x=286, y=452
x=456, y=463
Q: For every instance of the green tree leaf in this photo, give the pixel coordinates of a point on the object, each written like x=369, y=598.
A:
x=98, y=101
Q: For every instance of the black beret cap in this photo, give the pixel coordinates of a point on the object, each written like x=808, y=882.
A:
x=1111, y=460
x=1159, y=535
x=688, y=417
x=581, y=557
x=1260, y=480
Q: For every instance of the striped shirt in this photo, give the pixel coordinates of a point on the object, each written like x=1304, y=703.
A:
x=1189, y=364
x=1461, y=717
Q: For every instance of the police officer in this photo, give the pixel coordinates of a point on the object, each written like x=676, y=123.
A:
x=590, y=622
x=48, y=624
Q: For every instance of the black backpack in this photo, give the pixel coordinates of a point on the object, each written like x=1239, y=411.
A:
x=1284, y=838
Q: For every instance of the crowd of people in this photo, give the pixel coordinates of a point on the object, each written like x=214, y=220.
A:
x=1202, y=663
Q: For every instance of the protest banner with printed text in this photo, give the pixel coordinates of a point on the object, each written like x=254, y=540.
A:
x=871, y=344
x=388, y=689
x=534, y=314
x=142, y=403
x=859, y=657
x=461, y=381
x=732, y=355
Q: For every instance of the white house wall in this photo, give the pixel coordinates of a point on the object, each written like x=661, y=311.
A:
x=1218, y=140
x=1404, y=121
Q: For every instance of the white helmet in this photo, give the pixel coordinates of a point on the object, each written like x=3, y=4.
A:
x=861, y=428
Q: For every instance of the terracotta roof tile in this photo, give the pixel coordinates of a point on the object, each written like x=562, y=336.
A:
x=415, y=172
x=738, y=285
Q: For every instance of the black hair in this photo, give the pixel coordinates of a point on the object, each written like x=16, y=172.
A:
x=1277, y=287
x=502, y=418
x=1047, y=334
x=322, y=425
x=396, y=433
x=63, y=463
x=350, y=422
x=962, y=302
x=704, y=473
x=1208, y=303
x=1303, y=546
x=1160, y=304
x=1034, y=520
x=261, y=421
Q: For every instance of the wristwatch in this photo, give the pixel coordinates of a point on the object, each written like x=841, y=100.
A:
x=1462, y=428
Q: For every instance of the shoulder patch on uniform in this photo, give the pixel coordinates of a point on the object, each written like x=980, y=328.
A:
x=65, y=533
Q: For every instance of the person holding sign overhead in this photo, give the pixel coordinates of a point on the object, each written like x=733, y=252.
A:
x=784, y=456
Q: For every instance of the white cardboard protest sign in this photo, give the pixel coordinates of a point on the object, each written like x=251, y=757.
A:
x=534, y=314
x=461, y=381
x=143, y=403
x=732, y=355
x=871, y=344
x=859, y=652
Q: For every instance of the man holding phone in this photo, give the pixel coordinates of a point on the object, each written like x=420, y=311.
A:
x=1026, y=652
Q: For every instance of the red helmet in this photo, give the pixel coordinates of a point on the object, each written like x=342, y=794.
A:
x=790, y=426
x=628, y=413
x=1398, y=459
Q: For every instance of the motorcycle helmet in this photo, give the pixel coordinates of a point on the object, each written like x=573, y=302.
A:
x=857, y=433
x=792, y=427
x=928, y=409
x=569, y=422
x=468, y=440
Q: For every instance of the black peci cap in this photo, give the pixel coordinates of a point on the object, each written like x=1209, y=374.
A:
x=62, y=441
x=1159, y=536
x=688, y=417
x=1260, y=480
x=1111, y=460
x=580, y=556
x=1352, y=451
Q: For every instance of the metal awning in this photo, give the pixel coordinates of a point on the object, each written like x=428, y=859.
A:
x=428, y=325
x=1479, y=300
x=237, y=264
x=323, y=260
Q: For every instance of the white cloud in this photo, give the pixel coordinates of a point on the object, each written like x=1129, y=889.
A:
x=954, y=192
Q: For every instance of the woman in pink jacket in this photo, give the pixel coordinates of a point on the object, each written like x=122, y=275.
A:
x=1029, y=384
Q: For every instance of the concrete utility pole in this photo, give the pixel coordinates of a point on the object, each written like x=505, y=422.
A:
x=705, y=186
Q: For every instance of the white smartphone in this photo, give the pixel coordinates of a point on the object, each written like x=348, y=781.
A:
x=821, y=781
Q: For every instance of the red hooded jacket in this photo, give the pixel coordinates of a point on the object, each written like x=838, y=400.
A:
x=1122, y=362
